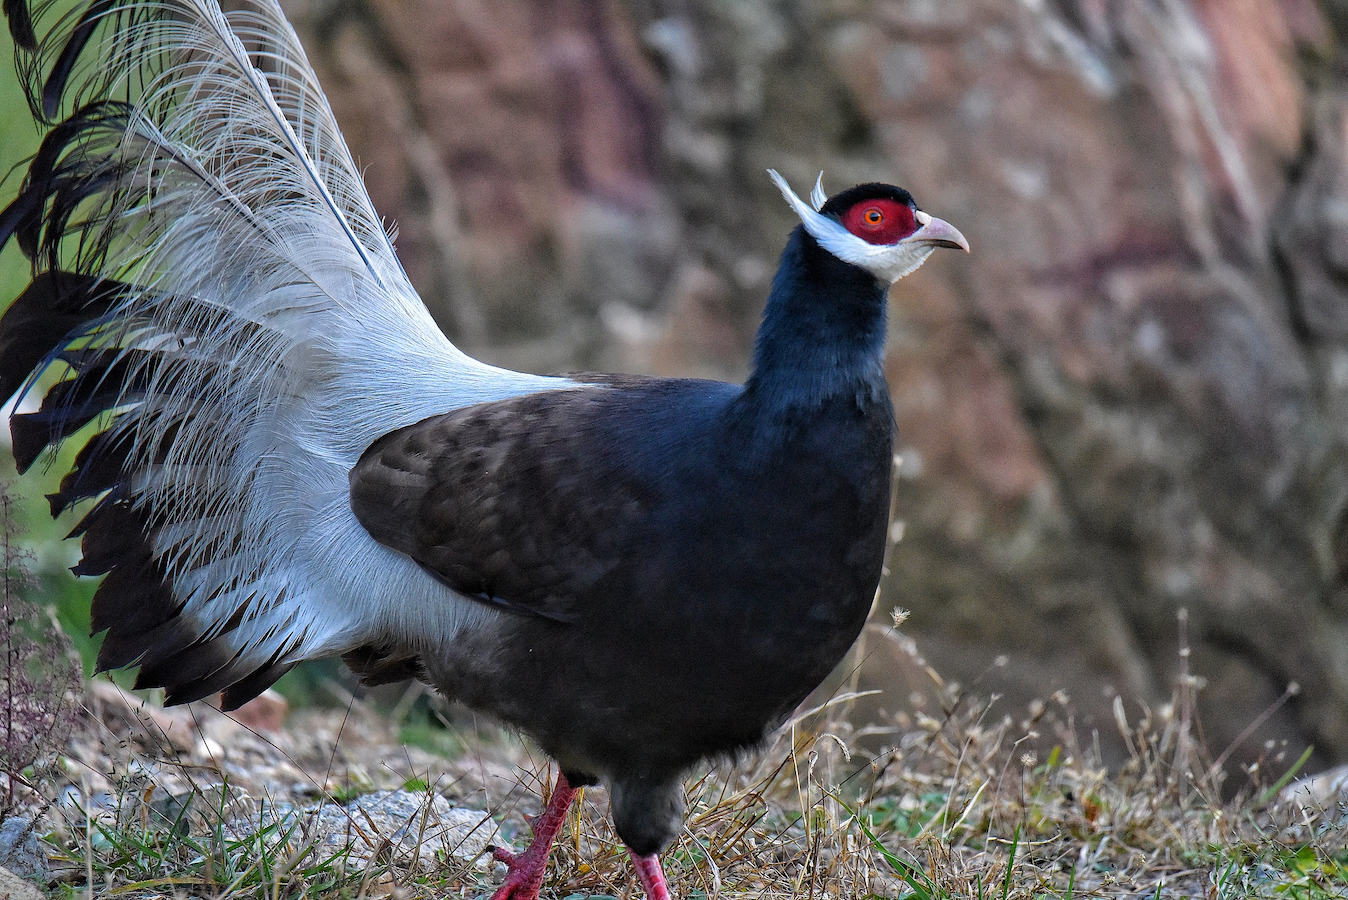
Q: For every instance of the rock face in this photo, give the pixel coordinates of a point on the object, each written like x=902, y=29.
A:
x=19, y=851
x=1132, y=399
x=12, y=887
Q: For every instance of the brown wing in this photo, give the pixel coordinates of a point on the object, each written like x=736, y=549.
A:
x=524, y=503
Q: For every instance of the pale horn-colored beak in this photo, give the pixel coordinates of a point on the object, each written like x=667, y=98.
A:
x=936, y=233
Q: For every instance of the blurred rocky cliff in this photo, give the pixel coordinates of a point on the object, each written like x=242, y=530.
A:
x=1131, y=399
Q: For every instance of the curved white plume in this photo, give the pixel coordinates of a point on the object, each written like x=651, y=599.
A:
x=817, y=196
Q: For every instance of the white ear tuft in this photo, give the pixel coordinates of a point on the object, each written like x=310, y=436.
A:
x=817, y=196
x=809, y=215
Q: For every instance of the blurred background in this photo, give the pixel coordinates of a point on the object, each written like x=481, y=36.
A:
x=1131, y=400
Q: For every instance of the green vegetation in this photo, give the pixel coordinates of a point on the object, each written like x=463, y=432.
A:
x=960, y=803
x=39, y=534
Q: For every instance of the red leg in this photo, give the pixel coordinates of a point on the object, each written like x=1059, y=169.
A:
x=526, y=869
x=652, y=876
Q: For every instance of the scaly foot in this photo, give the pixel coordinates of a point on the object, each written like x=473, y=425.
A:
x=652, y=876
x=527, y=869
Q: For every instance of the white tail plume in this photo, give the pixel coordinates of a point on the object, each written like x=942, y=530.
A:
x=266, y=332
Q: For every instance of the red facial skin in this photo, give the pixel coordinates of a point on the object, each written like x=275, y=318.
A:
x=880, y=221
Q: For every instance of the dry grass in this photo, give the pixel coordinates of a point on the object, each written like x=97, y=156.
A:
x=963, y=803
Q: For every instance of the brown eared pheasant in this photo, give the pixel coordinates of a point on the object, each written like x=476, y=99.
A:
x=638, y=573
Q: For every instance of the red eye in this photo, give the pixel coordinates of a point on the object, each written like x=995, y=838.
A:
x=880, y=221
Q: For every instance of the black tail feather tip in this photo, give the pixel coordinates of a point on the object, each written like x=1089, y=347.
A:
x=20, y=24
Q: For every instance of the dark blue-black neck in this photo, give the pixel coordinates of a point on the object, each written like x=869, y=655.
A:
x=823, y=332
